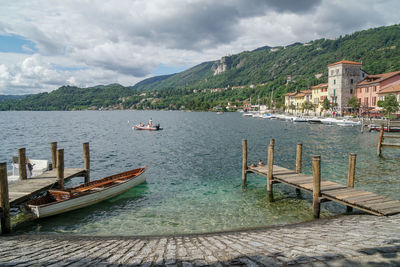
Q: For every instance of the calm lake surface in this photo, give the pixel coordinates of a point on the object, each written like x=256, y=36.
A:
x=194, y=168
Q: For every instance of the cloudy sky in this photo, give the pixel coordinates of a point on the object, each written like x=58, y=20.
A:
x=47, y=44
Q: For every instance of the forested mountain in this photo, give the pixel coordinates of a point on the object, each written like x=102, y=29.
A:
x=70, y=98
x=378, y=49
x=266, y=68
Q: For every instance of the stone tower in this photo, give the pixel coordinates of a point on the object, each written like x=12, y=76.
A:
x=343, y=77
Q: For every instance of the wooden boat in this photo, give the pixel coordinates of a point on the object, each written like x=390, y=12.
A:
x=59, y=201
x=147, y=127
x=385, y=128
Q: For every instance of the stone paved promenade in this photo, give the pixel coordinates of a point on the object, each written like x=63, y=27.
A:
x=351, y=240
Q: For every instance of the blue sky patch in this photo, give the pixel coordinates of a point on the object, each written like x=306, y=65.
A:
x=16, y=44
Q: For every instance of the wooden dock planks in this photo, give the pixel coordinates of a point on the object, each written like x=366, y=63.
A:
x=23, y=190
x=359, y=199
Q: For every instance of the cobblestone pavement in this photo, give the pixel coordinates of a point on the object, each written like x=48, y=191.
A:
x=351, y=240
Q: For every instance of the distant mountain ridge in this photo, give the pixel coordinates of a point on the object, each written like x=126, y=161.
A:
x=266, y=67
x=377, y=48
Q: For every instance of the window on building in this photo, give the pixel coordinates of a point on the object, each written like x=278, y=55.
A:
x=380, y=98
x=374, y=101
x=331, y=72
x=359, y=100
x=351, y=81
x=337, y=71
x=374, y=88
x=366, y=89
x=366, y=101
x=351, y=91
x=334, y=81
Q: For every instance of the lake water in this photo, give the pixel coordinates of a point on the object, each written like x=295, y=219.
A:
x=194, y=168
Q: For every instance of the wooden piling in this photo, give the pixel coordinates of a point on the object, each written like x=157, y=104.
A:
x=379, y=152
x=362, y=125
x=54, y=154
x=316, y=164
x=299, y=156
x=86, y=161
x=351, y=174
x=4, y=200
x=270, y=166
x=272, y=141
x=244, y=162
x=22, y=163
x=60, y=168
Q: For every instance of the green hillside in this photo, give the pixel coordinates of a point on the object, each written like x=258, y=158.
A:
x=265, y=67
x=70, y=98
x=378, y=49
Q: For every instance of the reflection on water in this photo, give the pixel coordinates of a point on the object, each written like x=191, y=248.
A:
x=194, y=176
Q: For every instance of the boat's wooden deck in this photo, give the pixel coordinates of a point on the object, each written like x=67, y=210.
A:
x=362, y=200
x=23, y=190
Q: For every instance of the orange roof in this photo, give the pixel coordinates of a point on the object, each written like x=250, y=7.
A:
x=291, y=94
x=321, y=85
x=345, y=62
x=377, y=78
x=299, y=94
x=390, y=89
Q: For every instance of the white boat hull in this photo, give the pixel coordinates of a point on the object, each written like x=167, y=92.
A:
x=85, y=200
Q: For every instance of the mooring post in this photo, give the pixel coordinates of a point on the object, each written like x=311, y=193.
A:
x=351, y=174
x=388, y=125
x=316, y=164
x=362, y=125
x=22, y=163
x=86, y=161
x=380, y=140
x=4, y=201
x=54, y=155
x=299, y=156
x=244, y=162
x=272, y=141
x=270, y=170
x=60, y=168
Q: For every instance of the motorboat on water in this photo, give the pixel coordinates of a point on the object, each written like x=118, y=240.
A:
x=314, y=120
x=63, y=200
x=348, y=123
x=147, y=127
x=299, y=119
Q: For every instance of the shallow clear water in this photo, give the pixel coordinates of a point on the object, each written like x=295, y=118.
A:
x=194, y=176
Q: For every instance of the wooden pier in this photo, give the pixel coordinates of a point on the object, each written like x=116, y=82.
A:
x=24, y=189
x=322, y=190
x=382, y=137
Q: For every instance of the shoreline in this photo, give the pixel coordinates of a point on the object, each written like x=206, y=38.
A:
x=345, y=239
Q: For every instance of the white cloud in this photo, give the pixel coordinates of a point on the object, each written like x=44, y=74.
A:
x=86, y=43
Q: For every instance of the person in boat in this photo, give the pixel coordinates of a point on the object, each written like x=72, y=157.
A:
x=141, y=124
x=150, y=122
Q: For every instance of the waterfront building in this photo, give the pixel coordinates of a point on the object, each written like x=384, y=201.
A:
x=319, y=93
x=393, y=89
x=297, y=99
x=374, y=86
x=343, y=77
